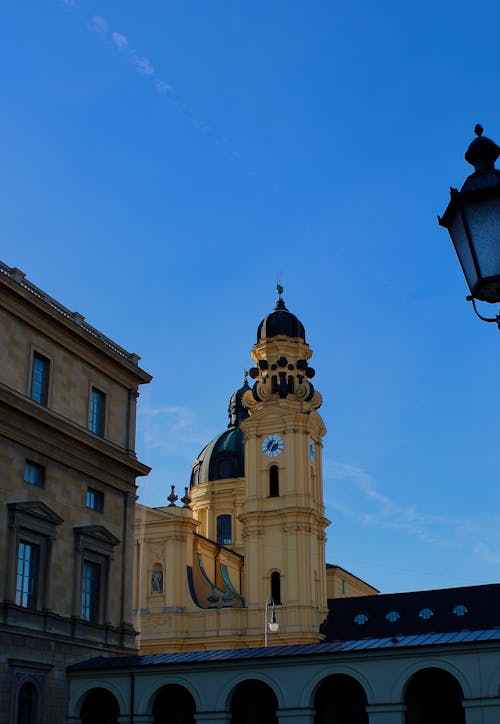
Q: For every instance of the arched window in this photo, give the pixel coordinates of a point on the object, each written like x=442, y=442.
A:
x=434, y=695
x=276, y=587
x=224, y=533
x=340, y=699
x=274, y=481
x=254, y=702
x=26, y=704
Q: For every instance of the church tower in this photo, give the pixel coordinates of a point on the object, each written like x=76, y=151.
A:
x=283, y=519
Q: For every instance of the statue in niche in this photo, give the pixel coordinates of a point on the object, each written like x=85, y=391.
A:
x=157, y=582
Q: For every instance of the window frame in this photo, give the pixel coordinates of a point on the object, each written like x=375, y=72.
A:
x=97, y=496
x=31, y=464
x=34, y=523
x=221, y=539
x=97, y=419
x=24, y=597
x=93, y=544
x=46, y=376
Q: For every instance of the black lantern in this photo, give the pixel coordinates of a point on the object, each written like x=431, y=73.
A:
x=473, y=221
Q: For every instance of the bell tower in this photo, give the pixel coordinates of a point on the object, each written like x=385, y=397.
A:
x=283, y=519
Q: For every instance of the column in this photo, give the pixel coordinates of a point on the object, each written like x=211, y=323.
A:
x=213, y=717
x=296, y=715
x=482, y=711
x=386, y=713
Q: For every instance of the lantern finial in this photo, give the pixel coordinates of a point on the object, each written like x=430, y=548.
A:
x=482, y=152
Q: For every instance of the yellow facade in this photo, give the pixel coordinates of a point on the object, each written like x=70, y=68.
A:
x=253, y=531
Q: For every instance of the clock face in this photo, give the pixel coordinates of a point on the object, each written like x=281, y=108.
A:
x=272, y=445
x=312, y=451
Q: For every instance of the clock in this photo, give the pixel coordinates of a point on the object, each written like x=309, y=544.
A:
x=272, y=445
x=312, y=451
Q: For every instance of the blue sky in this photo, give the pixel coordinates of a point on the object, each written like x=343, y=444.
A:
x=164, y=162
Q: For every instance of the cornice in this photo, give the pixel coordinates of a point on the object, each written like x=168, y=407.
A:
x=41, y=311
x=67, y=439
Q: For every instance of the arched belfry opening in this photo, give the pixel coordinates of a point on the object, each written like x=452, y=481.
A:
x=254, y=702
x=434, y=696
x=274, y=481
x=340, y=699
x=276, y=587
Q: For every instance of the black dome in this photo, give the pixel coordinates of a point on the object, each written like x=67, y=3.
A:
x=281, y=322
x=222, y=458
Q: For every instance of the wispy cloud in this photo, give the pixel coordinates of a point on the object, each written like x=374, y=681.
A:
x=354, y=493
x=171, y=429
x=99, y=25
x=144, y=66
x=121, y=41
x=163, y=87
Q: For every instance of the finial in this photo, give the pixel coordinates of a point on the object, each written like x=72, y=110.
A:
x=279, y=289
x=482, y=152
x=186, y=500
x=172, y=498
x=245, y=375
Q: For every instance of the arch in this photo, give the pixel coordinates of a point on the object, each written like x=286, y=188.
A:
x=27, y=703
x=99, y=706
x=274, y=481
x=253, y=702
x=276, y=587
x=309, y=692
x=433, y=696
x=340, y=699
x=80, y=688
x=398, y=690
x=173, y=704
x=149, y=689
x=226, y=693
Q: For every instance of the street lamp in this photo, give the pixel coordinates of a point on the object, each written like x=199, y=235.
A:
x=271, y=625
x=473, y=222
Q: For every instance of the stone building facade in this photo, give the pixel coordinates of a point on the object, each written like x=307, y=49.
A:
x=67, y=476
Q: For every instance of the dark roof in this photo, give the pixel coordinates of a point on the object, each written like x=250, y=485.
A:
x=442, y=610
x=221, y=459
x=327, y=647
x=281, y=322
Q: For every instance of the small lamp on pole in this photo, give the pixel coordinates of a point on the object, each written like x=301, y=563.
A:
x=273, y=624
x=472, y=218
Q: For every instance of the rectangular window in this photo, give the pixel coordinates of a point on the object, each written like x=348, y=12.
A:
x=39, y=379
x=224, y=536
x=95, y=500
x=97, y=411
x=91, y=584
x=28, y=557
x=34, y=474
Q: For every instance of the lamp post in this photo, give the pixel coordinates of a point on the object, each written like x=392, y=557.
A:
x=472, y=218
x=271, y=625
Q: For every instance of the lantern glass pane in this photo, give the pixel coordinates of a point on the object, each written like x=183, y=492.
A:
x=484, y=225
x=461, y=244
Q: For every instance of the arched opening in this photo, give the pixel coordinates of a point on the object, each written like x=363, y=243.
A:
x=254, y=702
x=276, y=587
x=434, y=696
x=100, y=707
x=340, y=699
x=27, y=704
x=274, y=481
x=224, y=532
x=173, y=705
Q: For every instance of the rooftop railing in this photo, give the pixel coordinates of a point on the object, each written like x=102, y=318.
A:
x=20, y=277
